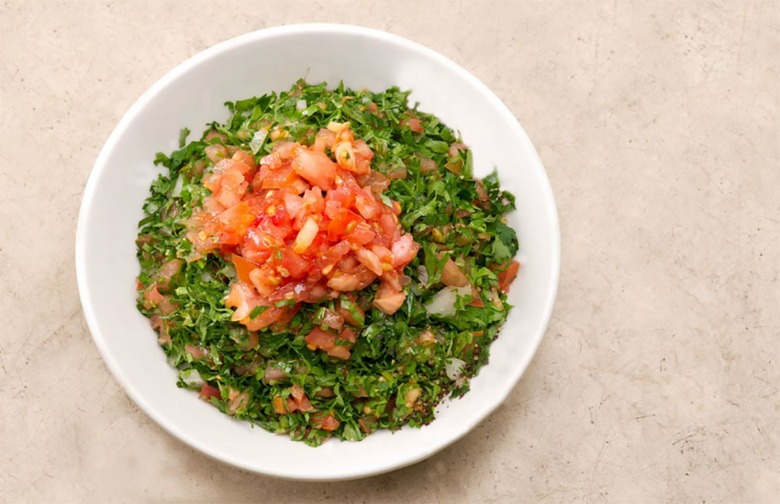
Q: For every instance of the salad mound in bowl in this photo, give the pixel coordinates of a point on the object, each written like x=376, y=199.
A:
x=328, y=257
x=323, y=279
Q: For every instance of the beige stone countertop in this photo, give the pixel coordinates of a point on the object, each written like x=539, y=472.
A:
x=659, y=376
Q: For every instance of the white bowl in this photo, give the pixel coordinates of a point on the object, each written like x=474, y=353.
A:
x=193, y=94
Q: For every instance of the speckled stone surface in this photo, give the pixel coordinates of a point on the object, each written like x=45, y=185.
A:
x=658, y=379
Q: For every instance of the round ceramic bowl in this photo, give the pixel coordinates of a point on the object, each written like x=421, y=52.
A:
x=193, y=94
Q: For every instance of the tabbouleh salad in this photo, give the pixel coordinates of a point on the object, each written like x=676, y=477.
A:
x=323, y=264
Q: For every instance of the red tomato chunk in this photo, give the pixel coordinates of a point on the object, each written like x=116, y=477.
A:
x=303, y=226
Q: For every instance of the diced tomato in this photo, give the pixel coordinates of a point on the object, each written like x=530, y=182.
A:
x=298, y=400
x=374, y=181
x=348, y=316
x=213, y=206
x=284, y=178
x=316, y=167
x=347, y=282
x=342, y=131
x=293, y=204
x=207, y=392
x=240, y=296
x=228, y=183
x=363, y=156
x=455, y=148
x=334, y=255
x=195, y=351
x=313, y=201
x=212, y=134
x=279, y=406
x=325, y=392
x=342, y=223
x=476, y=298
x=166, y=305
x=349, y=264
x=340, y=198
x=404, y=250
x=333, y=319
x=286, y=317
x=389, y=226
x=237, y=400
x=506, y=277
x=361, y=234
x=319, y=339
x=347, y=334
x=273, y=373
x=369, y=260
x=324, y=140
x=301, y=401
x=152, y=296
x=427, y=165
x=316, y=293
x=367, y=205
x=388, y=300
x=345, y=155
x=259, y=240
x=310, y=227
x=215, y=152
x=167, y=272
x=367, y=424
x=293, y=265
x=162, y=327
x=339, y=352
x=385, y=256
x=271, y=315
x=325, y=422
x=237, y=218
x=413, y=124
x=286, y=150
x=452, y=276
x=278, y=226
x=243, y=268
x=335, y=347
x=392, y=278
x=246, y=158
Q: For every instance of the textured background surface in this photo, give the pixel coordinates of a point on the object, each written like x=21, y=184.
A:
x=658, y=379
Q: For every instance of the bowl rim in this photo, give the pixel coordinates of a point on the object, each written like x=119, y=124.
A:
x=100, y=167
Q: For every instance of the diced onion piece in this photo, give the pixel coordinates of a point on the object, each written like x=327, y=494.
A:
x=177, y=187
x=191, y=378
x=454, y=368
x=422, y=274
x=300, y=105
x=443, y=302
x=305, y=236
x=257, y=140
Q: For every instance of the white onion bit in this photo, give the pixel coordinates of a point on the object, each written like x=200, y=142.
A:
x=177, y=188
x=422, y=274
x=454, y=368
x=192, y=378
x=443, y=302
x=300, y=105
